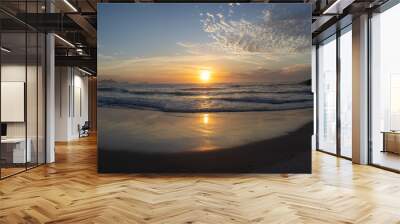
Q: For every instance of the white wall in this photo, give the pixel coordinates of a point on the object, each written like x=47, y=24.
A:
x=80, y=108
x=62, y=82
x=13, y=101
x=70, y=84
x=13, y=73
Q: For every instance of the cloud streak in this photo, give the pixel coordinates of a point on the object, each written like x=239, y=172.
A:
x=276, y=33
x=290, y=73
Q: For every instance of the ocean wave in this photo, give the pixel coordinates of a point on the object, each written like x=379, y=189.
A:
x=198, y=92
x=213, y=98
x=203, y=89
x=263, y=100
x=210, y=105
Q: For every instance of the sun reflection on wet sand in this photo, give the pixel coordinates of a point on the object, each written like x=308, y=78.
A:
x=207, y=124
x=205, y=118
x=207, y=132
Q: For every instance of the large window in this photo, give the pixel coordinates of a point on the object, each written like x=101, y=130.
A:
x=22, y=88
x=345, y=92
x=327, y=95
x=334, y=101
x=385, y=89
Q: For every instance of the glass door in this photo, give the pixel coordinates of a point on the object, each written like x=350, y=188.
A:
x=14, y=153
x=22, y=88
x=326, y=88
x=334, y=94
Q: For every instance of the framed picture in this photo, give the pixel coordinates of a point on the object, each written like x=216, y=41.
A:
x=204, y=88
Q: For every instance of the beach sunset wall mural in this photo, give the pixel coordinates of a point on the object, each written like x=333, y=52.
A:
x=204, y=88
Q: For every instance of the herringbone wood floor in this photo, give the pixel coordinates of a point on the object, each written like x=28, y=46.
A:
x=71, y=191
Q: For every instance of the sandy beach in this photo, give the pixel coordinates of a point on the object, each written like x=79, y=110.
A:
x=151, y=141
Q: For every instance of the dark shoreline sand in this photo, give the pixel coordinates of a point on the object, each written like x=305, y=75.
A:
x=290, y=153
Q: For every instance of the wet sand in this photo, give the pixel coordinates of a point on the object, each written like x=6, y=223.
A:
x=149, y=131
x=257, y=142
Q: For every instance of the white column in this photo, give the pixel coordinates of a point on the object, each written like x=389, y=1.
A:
x=50, y=92
x=360, y=90
x=50, y=99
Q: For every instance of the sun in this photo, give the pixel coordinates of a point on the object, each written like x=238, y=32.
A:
x=205, y=75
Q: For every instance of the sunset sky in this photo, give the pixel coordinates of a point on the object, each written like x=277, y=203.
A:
x=194, y=43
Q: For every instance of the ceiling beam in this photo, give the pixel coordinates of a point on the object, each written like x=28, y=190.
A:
x=77, y=61
x=85, y=25
x=337, y=7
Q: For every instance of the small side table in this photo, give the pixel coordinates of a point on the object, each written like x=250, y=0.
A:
x=391, y=141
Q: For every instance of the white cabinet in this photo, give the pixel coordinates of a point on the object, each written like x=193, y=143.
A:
x=19, y=154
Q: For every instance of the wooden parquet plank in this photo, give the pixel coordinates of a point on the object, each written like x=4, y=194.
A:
x=71, y=191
